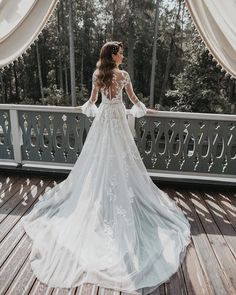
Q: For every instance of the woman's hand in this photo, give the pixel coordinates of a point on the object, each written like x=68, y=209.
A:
x=151, y=111
x=78, y=107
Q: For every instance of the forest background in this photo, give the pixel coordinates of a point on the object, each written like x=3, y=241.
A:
x=171, y=69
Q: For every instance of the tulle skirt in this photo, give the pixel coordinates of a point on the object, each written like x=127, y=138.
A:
x=107, y=223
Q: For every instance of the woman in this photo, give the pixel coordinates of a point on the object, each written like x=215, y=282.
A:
x=108, y=223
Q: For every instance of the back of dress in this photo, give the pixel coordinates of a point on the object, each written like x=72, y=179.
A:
x=121, y=80
x=114, y=92
x=107, y=224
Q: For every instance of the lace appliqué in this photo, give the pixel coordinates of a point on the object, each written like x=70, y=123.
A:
x=111, y=188
x=131, y=195
x=97, y=205
x=109, y=240
x=124, y=157
x=122, y=212
x=114, y=90
x=126, y=79
x=128, y=157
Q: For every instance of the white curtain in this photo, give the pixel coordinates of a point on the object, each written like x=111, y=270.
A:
x=215, y=21
x=21, y=22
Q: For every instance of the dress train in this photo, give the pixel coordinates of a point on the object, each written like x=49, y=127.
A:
x=107, y=223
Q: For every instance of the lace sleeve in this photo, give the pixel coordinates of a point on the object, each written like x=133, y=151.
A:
x=138, y=109
x=89, y=108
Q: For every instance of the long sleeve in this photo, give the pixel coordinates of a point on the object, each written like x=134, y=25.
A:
x=138, y=109
x=89, y=108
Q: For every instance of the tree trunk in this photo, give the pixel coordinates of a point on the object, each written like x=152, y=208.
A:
x=10, y=85
x=39, y=70
x=182, y=25
x=154, y=54
x=44, y=59
x=232, y=95
x=6, y=94
x=64, y=48
x=82, y=68
x=72, y=55
x=131, y=42
x=66, y=78
x=3, y=98
x=59, y=48
x=169, y=54
x=16, y=80
x=114, y=20
x=83, y=48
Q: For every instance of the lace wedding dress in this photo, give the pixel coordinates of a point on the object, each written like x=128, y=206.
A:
x=107, y=223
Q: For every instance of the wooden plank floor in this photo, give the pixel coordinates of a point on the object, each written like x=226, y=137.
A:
x=209, y=266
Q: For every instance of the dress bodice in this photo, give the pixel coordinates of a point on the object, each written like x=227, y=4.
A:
x=117, y=99
x=113, y=95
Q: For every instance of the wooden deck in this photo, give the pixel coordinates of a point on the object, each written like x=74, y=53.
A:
x=209, y=266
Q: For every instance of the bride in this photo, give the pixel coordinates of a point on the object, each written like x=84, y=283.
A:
x=107, y=223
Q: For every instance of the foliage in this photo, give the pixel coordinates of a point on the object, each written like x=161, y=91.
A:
x=194, y=83
x=200, y=86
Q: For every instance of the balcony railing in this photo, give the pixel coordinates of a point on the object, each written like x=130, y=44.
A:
x=169, y=142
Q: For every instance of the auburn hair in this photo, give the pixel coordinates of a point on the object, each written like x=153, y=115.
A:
x=106, y=64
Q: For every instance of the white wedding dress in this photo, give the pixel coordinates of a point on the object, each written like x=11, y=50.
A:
x=107, y=223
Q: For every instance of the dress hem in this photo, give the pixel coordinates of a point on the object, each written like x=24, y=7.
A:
x=182, y=256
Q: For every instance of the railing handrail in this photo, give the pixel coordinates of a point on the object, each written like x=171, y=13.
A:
x=178, y=142
x=69, y=109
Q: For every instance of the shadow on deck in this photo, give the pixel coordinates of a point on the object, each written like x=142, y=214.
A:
x=209, y=266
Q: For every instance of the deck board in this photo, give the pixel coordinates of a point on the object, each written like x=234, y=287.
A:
x=195, y=280
x=209, y=262
x=218, y=243
x=209, y=267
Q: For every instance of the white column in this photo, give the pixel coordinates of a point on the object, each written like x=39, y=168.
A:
x=16, y=136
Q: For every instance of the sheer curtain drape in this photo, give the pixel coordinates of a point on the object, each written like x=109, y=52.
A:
x=216, y=23
x=21, y=22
